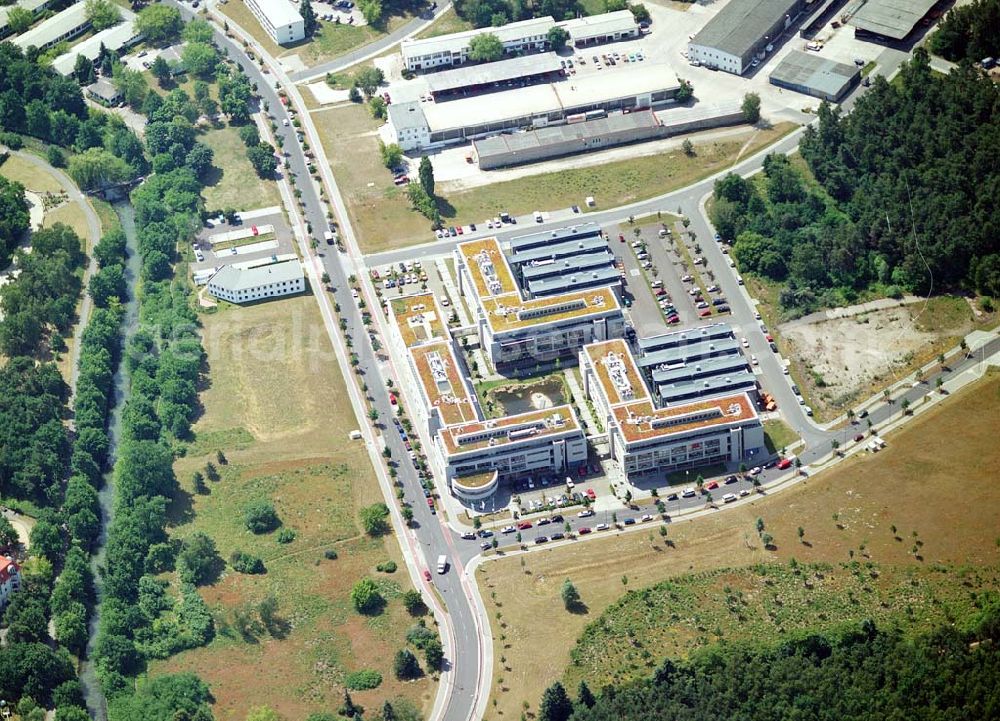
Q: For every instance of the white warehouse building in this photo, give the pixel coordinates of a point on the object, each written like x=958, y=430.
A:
x=280, y=19
x=239, y=284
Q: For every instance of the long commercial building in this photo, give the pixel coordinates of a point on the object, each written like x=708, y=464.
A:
x=519, y=38
x=475, y=453
x=742, y=32
x=415, y=125
x=247, y=283
x=279, y=19
x=115, y=39
x=889, y=19
x=517, y=329
x=815, y=75
x=35, y=7
x=646, y=437
x=62, y=26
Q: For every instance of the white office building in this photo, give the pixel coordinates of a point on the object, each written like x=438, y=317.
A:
x=520, y=37
x=247, y=284
x=743, y=32
x=35, y=7
x=115, y=39
x=646, y=438
x=280, y=19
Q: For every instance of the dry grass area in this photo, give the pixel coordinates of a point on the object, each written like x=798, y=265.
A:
x=939, y=485
x=72, y=215
x=449, y=22
x=232, y=181
x=382, y=215
x=276, y=406
x=32, y=178
x=840, y=361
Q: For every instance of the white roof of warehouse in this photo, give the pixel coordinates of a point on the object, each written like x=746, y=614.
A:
x=455, y=42
x=597, y=25
x=113, y=38
x=892, y=18
x=496, y=72
x=234, y=279
x=73, y=17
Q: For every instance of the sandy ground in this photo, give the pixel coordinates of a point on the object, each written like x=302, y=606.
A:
x=325, y=95
x=851, y=347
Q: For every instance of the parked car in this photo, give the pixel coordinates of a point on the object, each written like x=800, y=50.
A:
x=712, y=485
x=557, y=536
x=524, y=525
x=585, y=513
x=583, y=531
x=729, y=498
x=469, y=536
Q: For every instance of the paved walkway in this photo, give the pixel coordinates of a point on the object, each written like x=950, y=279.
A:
x=463, y=314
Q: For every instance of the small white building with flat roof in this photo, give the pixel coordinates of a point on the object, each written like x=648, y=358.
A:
x=280, y=19
x=603, y=28
x=242, y=284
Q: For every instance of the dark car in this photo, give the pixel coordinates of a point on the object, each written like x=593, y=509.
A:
x=557, y=537
x=557, y=518
x=472, y=227
x=723, y=308
x=774, y=348
x=452, y=232
x=730, y=479
x=718, y=301
x=541, y=539
x=629, y=521
x=672, y=497
x=485, y=533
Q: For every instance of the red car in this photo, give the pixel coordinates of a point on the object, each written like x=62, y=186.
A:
x=427, y=575
x=591, y=495
x=705, y=313
x=621, y=237
x=858, y=438
x=392, y=398
x=582, y=471
x=784, y=463
x=673, y=319
x=712, y=485
x=430, y=502
x=524, y=525
x=584, y=530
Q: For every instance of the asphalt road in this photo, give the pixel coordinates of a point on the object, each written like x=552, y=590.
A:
x=372, y=49
x=434, y=537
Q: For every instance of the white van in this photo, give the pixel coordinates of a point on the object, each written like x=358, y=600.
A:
x=442, y=564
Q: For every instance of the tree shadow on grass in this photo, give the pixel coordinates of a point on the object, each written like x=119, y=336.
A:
x=578, y=609
x=180, y=510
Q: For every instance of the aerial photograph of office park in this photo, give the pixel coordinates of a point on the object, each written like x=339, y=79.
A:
x=461, y=360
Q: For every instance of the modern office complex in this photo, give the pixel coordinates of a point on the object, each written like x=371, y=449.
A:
x=647, y=436
x=243, y=283
x=543, y=296
x=520, y=37
x=815, y=75
x=62, y=26
x=743, y=32
x=476, y=453
x=279, y=19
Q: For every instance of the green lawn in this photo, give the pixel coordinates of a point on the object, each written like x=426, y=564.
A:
x=31, y=177
x=233, y=182
x=778, y=435
x=382, y=215
x=449, y=22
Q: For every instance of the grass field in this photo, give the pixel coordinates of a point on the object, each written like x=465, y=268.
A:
x=275, y=405
x=32, y=178
x=778, y=435
x=449, y=22
x=381, y=212
x=70, y=214
x=939, y=486
x=233, y=183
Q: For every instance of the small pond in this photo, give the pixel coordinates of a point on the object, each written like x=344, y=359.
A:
x=523, y=397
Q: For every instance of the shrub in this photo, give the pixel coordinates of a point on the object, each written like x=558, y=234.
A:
x=386, y=567
x=363, y=680
x=366, y=597
x=260, y=517
x=330, y=555
x=373, y=519
x=286, y=535
x=246, y=563
x=405, y=665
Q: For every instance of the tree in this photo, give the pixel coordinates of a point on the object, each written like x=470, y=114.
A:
x=413, y=602
x=555, y=705
x=198, y=562
x=96, y=168
x=199, y=59
x=767, y=539
x=760, y=526
x=426, y=174
x=262, y=159
x=260, y=517
x=19, y=19
x=377, y=107
x=102, y=14
x=197, y=31
x=802, y=532
x=14, y=217
x=160, y=69
x=107, y=283
x=557, y=37
x=366, y=597
x=131, y=83
x=485, y=48
x=405, y=665
x=368, y=79
x=372, y=11
x=570, y=596
x=374, y=519
x=309, y=22
x=249, y=135
x=159, y=23
x=83, y=70
x=640, y=12
x=8, y=534
x=688, y=147
x=392, y=155
x=751, y=107
x=349, y=709
x=685, y=92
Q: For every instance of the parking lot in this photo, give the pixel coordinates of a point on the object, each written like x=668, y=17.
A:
x=255, y=235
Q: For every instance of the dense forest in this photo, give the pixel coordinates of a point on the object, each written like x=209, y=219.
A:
x=14, y=218
x=970, y=32
x=862, y=672
x=909, y=185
